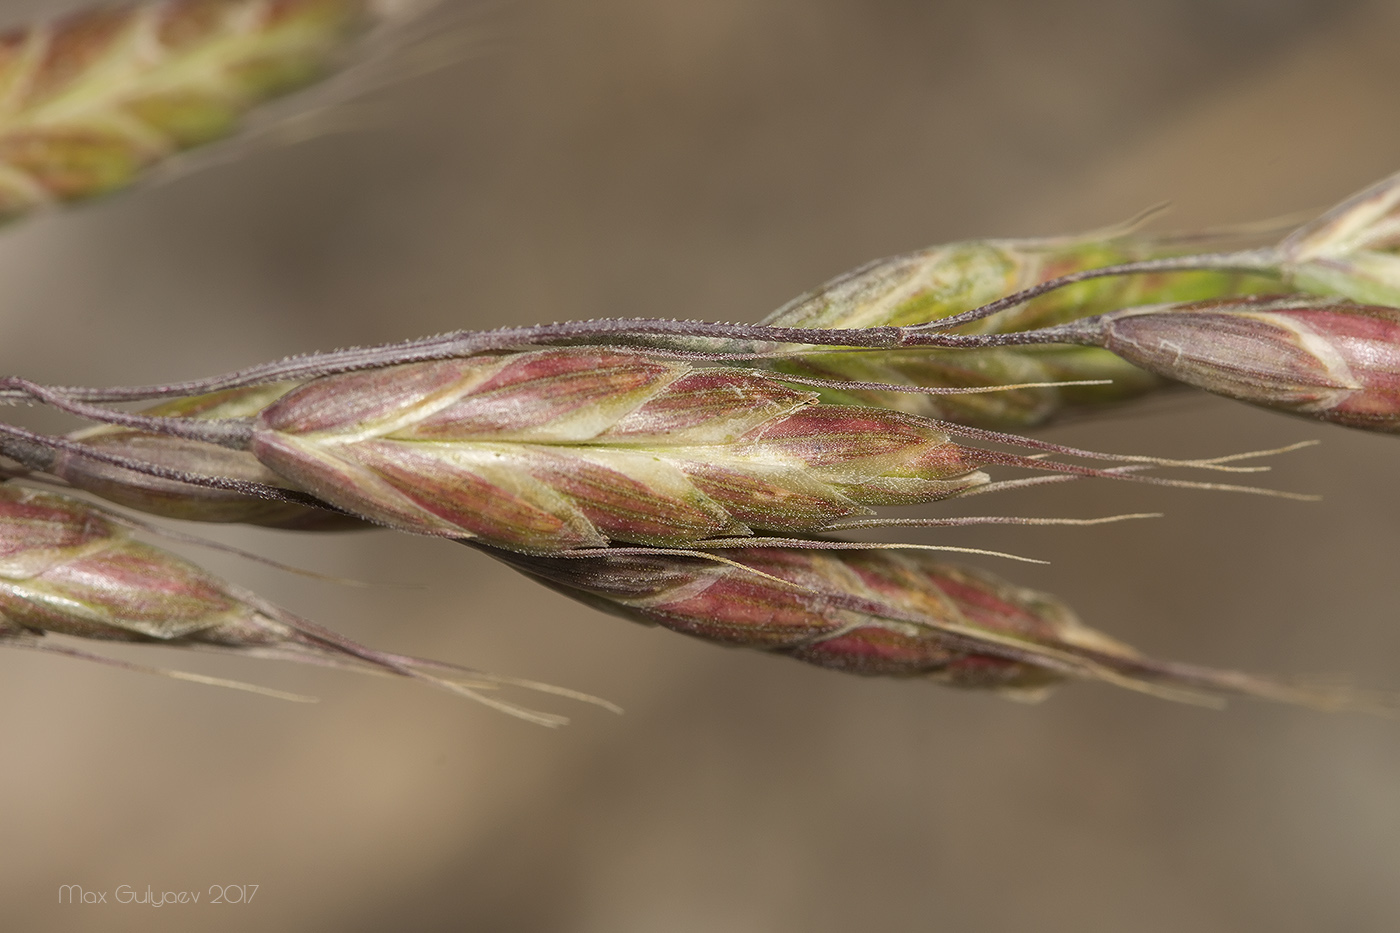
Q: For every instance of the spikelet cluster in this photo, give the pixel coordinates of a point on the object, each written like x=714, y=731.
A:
x=626, y=463
x=69, y=569
x=554, y=450
x=875, y=612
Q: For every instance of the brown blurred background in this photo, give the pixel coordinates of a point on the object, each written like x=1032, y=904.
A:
x=678, y=158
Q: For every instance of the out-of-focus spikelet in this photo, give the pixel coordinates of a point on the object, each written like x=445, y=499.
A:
x=90, y=101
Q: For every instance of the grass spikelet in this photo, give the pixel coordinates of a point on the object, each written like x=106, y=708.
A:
x=942, y=281
x=897, y=613
x=1333, y=361
x=68, y=569
x=91, y=101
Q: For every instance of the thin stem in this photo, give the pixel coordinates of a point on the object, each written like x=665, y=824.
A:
x=465, y=343
x=234, y=433
x=1264, y=261
x=18, y=440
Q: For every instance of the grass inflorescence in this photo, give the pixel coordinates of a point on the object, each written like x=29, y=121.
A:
x=688, y=474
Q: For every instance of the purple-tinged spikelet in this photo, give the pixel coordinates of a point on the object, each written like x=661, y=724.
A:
x=554, y=450
x=1337, y=362
x=864, y=612
x=67, y=568
x=891, y=613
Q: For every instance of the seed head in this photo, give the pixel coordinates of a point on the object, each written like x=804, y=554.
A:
x=866, y=612
x=68, y=569
x=553, y=450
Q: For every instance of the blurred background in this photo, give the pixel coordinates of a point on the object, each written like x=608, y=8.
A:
x=712, y=160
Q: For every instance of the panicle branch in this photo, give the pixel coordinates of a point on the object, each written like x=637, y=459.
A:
x=549, y=451
x=912, y=301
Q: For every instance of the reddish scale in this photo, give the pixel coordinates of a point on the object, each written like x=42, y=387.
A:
x=876, y=651
x=466, y=500
x=835, y=435
x=190, y=22
x=945, y=461
x=983, y=607
x=623, y=508
x=1056, y=266
x=743, y=610
x=45, y=527
x=1369, y=340
x=757, y=502
x=701, y=397
x=537, y=390
x=347, y=401
x=900, y=586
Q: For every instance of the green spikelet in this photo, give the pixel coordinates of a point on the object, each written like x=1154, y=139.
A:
x=945, y=280
x=91, y=101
